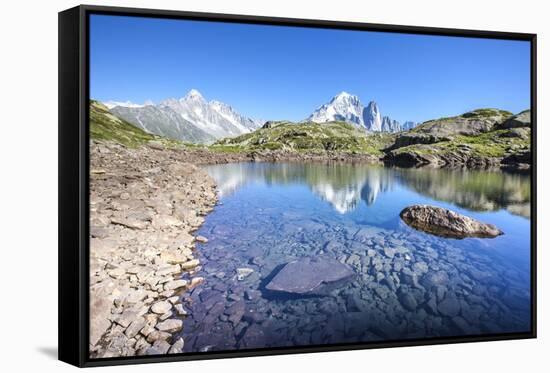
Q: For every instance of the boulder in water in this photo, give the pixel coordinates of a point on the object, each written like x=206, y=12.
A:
x=309, y=276
x=446, y=223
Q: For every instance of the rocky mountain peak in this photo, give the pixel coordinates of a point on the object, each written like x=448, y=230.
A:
x=348, y=108
x=190, y=118
x=372, y=117
x=373, y=107
x=193, y=94
x=345, y=97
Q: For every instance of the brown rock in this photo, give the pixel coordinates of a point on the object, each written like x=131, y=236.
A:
x=446, y=223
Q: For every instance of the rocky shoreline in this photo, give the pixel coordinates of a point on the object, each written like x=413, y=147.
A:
x=204, y=156
x=404, y=160
x=145, y=204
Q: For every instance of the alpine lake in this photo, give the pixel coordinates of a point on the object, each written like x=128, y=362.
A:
x=406, y=284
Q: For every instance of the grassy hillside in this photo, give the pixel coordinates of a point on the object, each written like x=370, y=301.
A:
x=105, y=126
x=307, y=137
x=479, y=133
x=470, y=123
x=490, y=144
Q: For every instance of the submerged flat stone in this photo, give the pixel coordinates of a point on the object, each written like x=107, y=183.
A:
x=309, y=275
x=446, y=223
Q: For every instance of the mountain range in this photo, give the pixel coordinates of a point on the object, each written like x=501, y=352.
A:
x=190, y=118
x=193, y=119
x=348, y=108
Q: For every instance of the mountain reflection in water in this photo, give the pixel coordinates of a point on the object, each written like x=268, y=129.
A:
x=344, y=186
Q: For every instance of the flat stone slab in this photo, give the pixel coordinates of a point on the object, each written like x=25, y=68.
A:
x=309, y=275
x=446, y=223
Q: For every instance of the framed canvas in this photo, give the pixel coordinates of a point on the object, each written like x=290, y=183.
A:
x=235, y=186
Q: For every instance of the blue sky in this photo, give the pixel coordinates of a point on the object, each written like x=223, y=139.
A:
x=274, y=72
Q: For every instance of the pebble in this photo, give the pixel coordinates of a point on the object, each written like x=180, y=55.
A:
x=190, y=264
x=170, y=325
x=177, y=347
x=242, y=273
x=174, y=285
x=201, y=239
x=408, y=301
x=180, y=310
x=449, y=306
x=161, y=307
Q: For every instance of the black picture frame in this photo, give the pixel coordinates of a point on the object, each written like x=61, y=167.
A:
x=73, y=165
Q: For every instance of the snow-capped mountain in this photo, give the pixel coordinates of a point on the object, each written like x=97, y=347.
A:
x=112, y=104
x=348, y=108
x=190, y=118
x=343, y=107
x=163, y=121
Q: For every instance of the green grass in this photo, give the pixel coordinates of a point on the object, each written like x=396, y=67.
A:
x=484, y=113
x=307, y=137
x=489, y=144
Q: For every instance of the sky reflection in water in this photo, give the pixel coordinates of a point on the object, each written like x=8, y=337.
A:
x=408, y=284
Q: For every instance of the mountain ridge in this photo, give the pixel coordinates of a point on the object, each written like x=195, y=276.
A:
x=190, y=118
x=348, y=108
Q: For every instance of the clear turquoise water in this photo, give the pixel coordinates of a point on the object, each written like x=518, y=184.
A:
x=270, y=214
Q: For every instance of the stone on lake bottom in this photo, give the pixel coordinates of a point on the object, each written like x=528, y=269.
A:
x=449, y=306
x=243, y=273
x=408, y=301
x=309, y=275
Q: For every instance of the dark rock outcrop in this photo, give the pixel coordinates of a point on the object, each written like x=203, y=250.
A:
x=446, y=223
x=309, y=276
x=484, y=138
x=521, y=157
x=413, y=138
x=427, y=155
x=412, y=159
x=522, y=119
